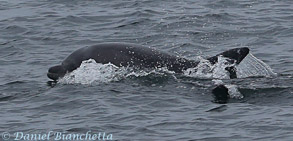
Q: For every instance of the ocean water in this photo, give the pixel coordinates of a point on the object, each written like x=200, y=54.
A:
x=156, y=105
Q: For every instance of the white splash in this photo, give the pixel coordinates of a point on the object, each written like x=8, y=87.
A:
x=232, y=89
x=251, y=66
x=91, y=72
x=206, y=70
x=159, y=71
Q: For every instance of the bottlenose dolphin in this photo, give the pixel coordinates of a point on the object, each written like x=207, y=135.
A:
x=132, y=55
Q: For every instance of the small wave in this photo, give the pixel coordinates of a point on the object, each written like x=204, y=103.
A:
x=14, y=29
x=6, y=98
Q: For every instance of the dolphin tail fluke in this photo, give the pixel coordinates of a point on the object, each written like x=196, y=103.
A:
x=236, y=55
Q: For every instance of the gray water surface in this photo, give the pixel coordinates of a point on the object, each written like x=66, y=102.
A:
x=35, y=35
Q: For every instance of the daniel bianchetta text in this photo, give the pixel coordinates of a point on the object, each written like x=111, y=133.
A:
x=57, y=136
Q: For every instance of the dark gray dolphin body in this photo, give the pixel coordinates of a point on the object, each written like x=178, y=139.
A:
x=132, y=55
